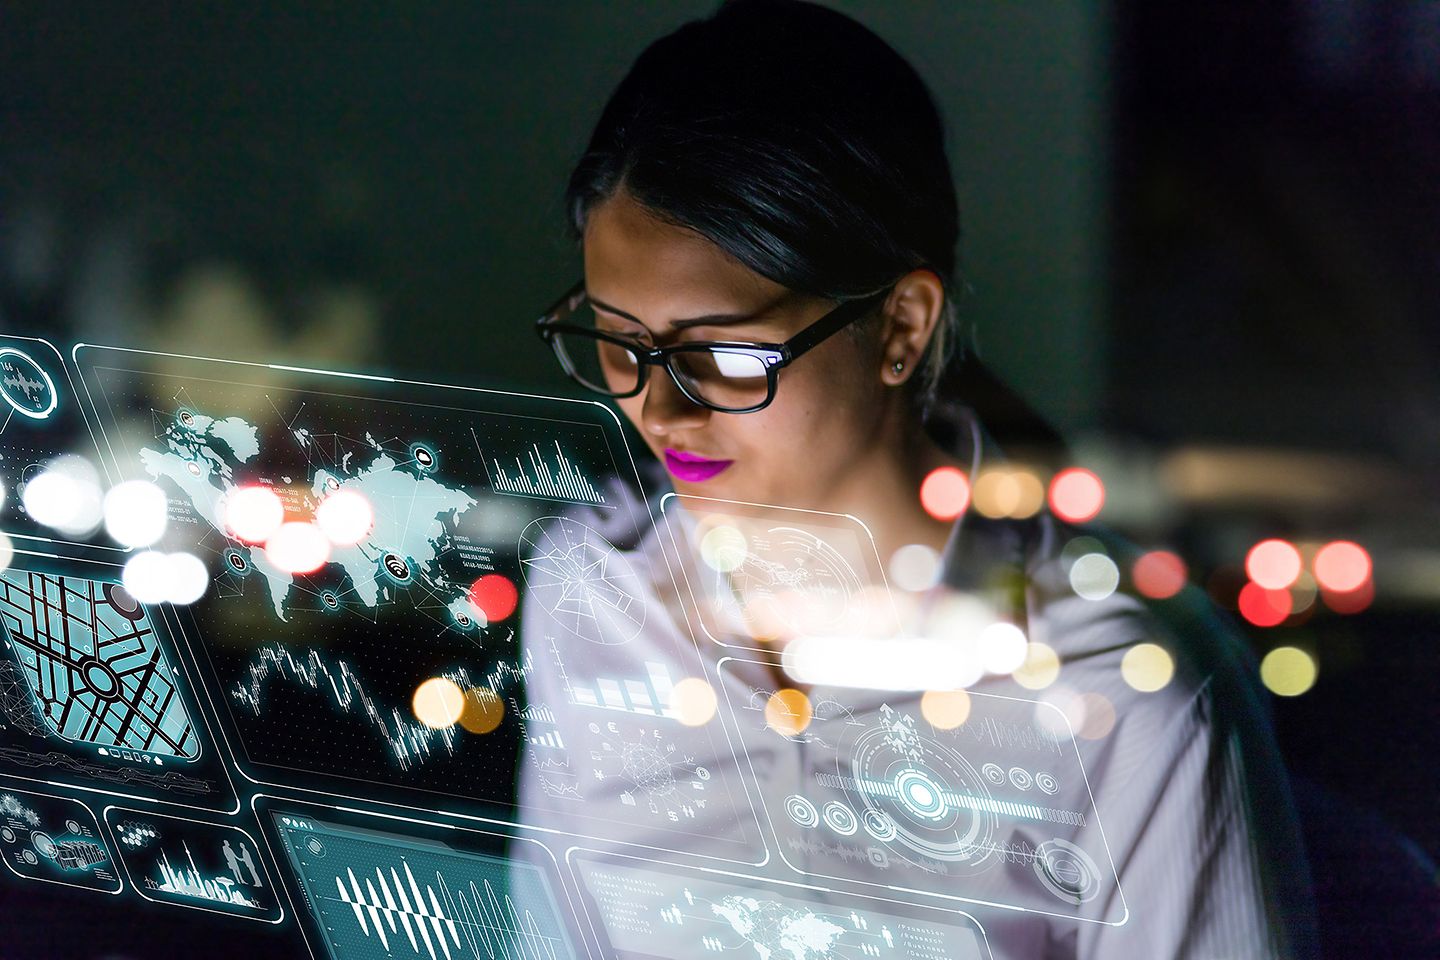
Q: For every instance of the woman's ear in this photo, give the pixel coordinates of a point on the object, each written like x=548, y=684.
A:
x=910, y=316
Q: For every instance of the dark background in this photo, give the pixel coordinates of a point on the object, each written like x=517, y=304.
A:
x=1200, y=238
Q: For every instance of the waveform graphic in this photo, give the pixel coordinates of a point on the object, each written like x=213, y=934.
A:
x=475, y=918
x=33, y=389
x=537, y=479
x=1009, y=735
x=409, y=742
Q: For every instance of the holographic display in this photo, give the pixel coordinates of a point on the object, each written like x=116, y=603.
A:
x=465, y=488
x=994, y=810
x=648, y=911
x=56, y=840
x=375, y=895
x=213, y=867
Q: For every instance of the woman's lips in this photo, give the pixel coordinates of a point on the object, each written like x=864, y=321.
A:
x=691, y=467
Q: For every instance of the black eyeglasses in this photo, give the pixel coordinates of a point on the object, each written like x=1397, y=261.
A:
x=727, y=376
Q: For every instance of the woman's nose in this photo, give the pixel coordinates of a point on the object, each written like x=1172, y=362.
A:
x=666, y=409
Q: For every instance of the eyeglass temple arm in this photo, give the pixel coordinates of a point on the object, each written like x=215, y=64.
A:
x=565, y=305
x=834, y=321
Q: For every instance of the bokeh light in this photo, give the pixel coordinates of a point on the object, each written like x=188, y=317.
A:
x=1273, y=564
x=1008, y=492
x=65, y=496
x=1002, y=648
x=1159, y=574
x=7, y=552
x=1342, y=566
x=945, y=709
x=1353, y=601
x=187, y=576
x=135, y=513
x=1099, y=716
x=1288, y=671
x=1262, y=607
x=1076, y=495
x=297, y=547
x=483, y=711
x=495, y=596
x=1094, y=576
x=253, y=514
x=723, y=548
x=692, y=701
x=1040, y=668
x=945, y=493
x=1060, y=712
x=346, y=517
x=438, y=703
x=1147, y=667
x=146, y=576
x=788, y=712
x=915, y=567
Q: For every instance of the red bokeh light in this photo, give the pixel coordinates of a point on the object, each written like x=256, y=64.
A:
x=1342, y=566
x=495, y=596
x=1273, y=564
x=945, y=493
x=1076, y=495
x=1351, y=601
x=1262, y=607
x=1159, y=574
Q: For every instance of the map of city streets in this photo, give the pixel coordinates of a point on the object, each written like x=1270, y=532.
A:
x=94, y=664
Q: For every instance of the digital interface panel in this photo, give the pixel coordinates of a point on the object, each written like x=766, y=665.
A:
x=89, y=695
x=652, y=912
x=375, y=895
x=317, y=670
x=55, y=840
x=995, y=809
x=41, y=420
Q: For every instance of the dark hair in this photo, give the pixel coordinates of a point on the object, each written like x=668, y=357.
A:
x=794, y=139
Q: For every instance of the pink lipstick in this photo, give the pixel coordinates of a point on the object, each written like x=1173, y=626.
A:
x=691, y=467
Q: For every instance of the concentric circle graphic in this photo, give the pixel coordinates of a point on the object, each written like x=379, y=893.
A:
x=840, y=818
x=801, y=810
x=1067, y=871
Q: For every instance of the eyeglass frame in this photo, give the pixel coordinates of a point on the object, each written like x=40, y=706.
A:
x=773, y=355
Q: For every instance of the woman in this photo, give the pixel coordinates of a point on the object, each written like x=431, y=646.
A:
x=776, y=176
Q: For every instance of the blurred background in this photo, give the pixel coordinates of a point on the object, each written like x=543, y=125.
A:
x=1201, y=239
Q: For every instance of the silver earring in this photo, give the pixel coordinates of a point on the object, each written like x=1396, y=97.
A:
x=897, y=367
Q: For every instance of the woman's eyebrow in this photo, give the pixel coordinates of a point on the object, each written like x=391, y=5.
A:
x=707, y=320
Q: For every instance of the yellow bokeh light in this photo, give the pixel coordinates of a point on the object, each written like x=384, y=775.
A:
x=438, y=702
x=1147, y=667
x=692, y=701
x=483, y=710
x=945, y=709
x=1040, y=669
x=788, y=712
x=1008, y=492
x=1288, y=671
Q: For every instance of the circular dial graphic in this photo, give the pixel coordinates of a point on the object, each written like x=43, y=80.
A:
x=581, y=580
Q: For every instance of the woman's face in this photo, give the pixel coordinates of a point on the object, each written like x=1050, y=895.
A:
x=651, y=280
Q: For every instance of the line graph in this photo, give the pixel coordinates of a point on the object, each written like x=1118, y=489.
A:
x=373, y=894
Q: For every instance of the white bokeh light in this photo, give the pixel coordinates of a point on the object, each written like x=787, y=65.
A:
x=7, y=552
x=298, y=547
x=915, y=567
x=135, y=513
x=1094, y=576
x=147, y=576
x=187, y=576
x=346, y=517
x=65, y=496
x=253, y=514
x=1002, y=647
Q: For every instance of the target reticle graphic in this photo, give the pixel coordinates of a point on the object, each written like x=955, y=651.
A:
x=582, y=580
x=933, y=800
x=806, y=581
